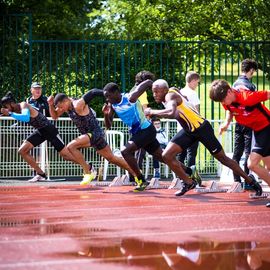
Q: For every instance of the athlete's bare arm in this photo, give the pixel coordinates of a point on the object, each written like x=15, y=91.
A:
x=224, y=126
x=108, y=115
x=142, y=87
x=54, y=112
x=172, y=100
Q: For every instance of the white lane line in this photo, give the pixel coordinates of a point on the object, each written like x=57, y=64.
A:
x=149, y=198
x=9, y=212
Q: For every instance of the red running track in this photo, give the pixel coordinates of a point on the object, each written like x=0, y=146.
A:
x=72, y=227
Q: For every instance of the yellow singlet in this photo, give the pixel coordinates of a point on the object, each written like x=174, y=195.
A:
x=190, y=119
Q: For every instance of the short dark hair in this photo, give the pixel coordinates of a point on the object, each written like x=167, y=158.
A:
x=59, y=98
x=111, y=87
x=7, y=99
x=143, y=76
x=155, y=119
x=248, y=64
x=219, y=90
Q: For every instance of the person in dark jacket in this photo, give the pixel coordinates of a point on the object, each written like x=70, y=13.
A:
x=38, y=100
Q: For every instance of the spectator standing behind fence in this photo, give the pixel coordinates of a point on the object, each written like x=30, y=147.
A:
x=38, y=100
x=243, y=135
x=189, y=91
x=143, y=99
x=163, y=141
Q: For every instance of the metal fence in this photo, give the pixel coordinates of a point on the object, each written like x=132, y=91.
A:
x=13, y=133
x=73, y=66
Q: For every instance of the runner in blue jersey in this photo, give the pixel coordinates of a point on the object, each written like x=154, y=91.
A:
x=143, y=133
x=92, y=135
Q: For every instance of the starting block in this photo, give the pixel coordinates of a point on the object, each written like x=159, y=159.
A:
x=125, y=181
x=235, y=188
x=212, y=188
x=154, y=183
x=176, y=184
x=116, y=182
x=120, y=181
x=263, y=196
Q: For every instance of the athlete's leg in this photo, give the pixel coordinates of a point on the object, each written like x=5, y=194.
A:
x=140, y=156
x=266, y=161
x=107, y=153
x=254, y=165
x=74, y=147
x=67, y=155
x=182, y=156
x=247, y=150
x=232, y=164
x=169, y=157
x=239, y=145
x=261, y=151
x=24, y=151
x=139, y=140
x=207, y=136
x=192, y=153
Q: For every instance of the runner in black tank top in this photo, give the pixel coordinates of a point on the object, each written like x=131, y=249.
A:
x=44, y=130
x=92, y=134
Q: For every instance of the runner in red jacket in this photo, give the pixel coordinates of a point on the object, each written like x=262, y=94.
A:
x=248, y=110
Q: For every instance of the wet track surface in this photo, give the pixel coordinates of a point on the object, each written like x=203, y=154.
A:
x=71, y=227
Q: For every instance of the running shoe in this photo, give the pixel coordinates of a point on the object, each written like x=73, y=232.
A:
x=268, y=204
x=37, y=178
x=255, y=185
x=89, y=177
x=195, y=175
x=185, y=188
x=141, y=185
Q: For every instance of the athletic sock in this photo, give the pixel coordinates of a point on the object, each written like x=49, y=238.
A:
x=141, y=177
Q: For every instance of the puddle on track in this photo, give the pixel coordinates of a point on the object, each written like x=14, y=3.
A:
x=207, y=255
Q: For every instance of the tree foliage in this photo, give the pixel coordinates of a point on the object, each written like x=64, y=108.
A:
x=74, y=68
x=60, y=19
x=176, y=20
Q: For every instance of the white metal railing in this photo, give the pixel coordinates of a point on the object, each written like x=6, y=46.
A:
x=13, y=133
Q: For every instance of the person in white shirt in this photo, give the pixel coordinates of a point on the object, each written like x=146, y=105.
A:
x=192, y=82
x=163, y=141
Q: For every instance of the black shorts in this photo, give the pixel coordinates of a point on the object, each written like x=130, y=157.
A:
x=146, y=139
x=262, y=145
x=204, y=134
x=48, y=133
x=97, y=141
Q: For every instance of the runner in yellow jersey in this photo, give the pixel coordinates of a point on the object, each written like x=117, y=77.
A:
x=195, y=128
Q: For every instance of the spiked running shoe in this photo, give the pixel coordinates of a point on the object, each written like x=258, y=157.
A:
x=268, y=204
x=185, y=188
x=255, y=185
x=87, y=178
x=141, y=185
x=195, y=175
